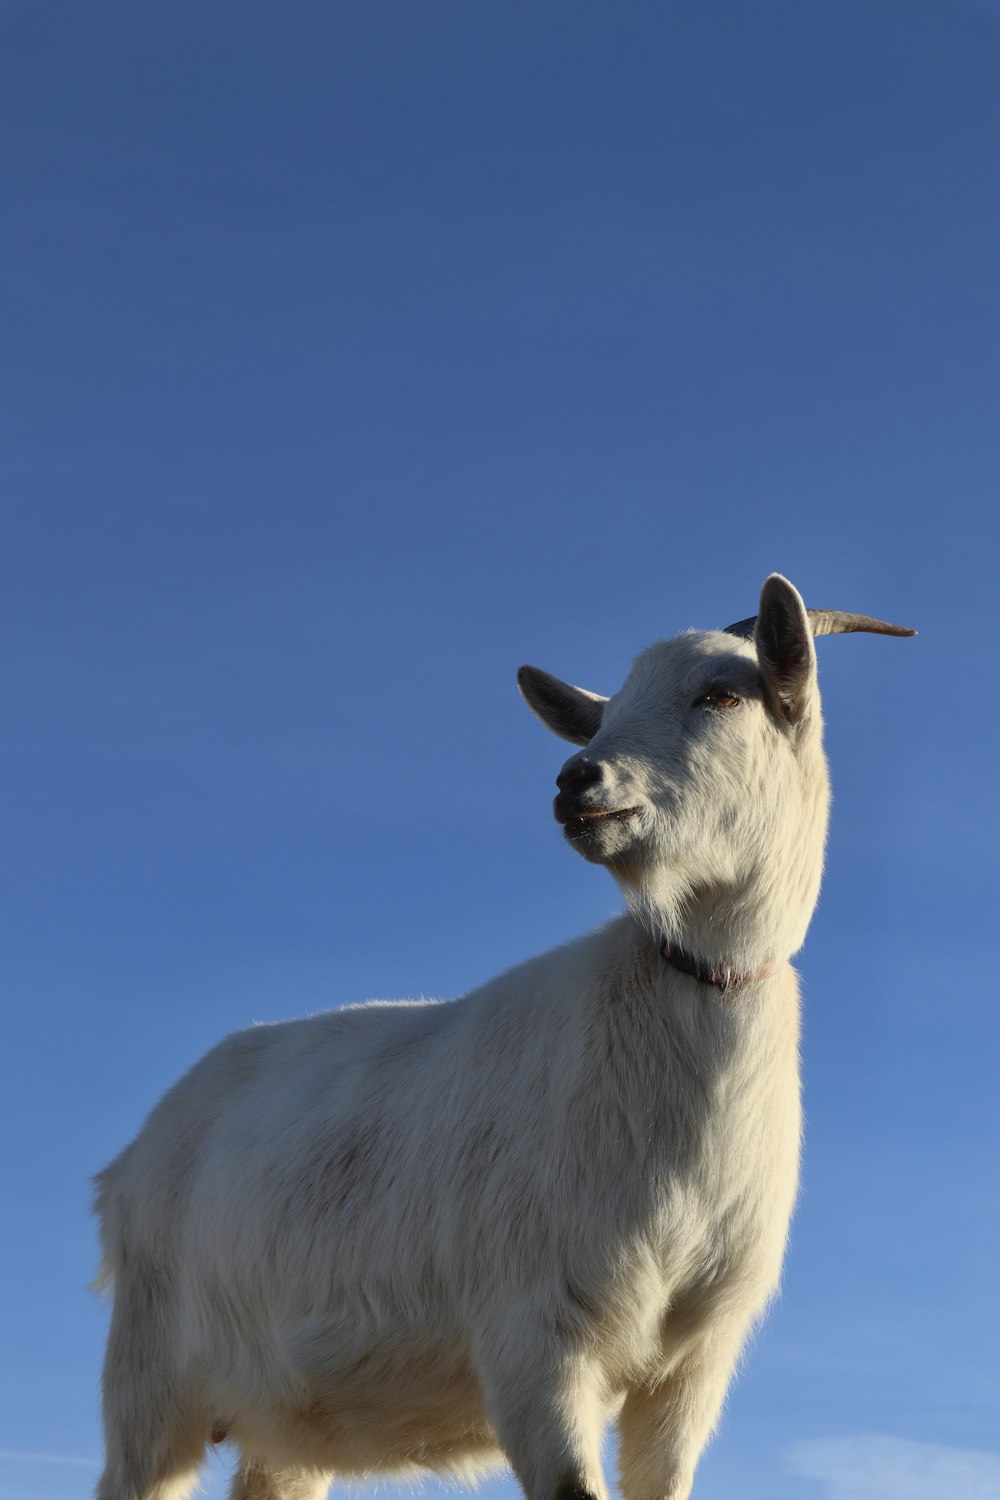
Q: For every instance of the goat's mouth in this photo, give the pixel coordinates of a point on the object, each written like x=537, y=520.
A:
x=584, y=820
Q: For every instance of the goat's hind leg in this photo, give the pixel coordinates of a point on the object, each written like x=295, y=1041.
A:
x=155, y=1440
x=256, y=1481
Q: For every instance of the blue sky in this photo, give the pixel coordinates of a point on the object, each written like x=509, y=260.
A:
x=352, y=356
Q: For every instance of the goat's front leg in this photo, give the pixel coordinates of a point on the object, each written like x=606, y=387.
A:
x=255, y=1480
x=549, y=1413
x=663, y=1429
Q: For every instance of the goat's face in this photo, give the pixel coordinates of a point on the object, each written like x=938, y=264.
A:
x=686, y=757
x=706, y=766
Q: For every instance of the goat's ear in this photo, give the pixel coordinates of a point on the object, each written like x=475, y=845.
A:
x=785, y=651
x=570, y=712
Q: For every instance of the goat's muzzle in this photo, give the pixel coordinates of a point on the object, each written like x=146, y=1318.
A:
x=580, y=806
x=579, y=784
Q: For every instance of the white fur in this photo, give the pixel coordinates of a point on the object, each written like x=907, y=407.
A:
x=449, y=1234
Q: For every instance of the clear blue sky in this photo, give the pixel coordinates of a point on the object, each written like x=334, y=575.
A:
x=352, y=355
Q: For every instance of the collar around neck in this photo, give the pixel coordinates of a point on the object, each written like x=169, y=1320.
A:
x=721, y=979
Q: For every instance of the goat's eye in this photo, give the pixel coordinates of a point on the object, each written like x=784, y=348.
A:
x=717, y=698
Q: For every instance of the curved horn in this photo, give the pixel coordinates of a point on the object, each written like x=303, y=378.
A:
x=827, y=622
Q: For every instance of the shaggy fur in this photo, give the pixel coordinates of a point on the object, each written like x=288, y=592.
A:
x=447, y=1235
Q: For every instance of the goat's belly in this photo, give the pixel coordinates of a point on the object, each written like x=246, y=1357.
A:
x=352, y=1405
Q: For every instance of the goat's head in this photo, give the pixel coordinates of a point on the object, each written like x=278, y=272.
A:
x=702, y=784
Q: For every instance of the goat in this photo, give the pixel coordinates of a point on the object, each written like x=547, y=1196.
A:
x=445, y=1235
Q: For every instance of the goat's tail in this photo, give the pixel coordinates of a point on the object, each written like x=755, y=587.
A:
x=108, y=1209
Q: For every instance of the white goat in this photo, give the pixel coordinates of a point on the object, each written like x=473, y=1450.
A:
x=448, y=1234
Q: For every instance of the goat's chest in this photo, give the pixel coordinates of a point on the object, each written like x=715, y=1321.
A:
x=726, y=1179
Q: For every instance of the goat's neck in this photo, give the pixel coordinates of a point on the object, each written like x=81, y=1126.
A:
x=740, y=924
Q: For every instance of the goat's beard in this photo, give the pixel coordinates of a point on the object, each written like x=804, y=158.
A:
x=659, y=900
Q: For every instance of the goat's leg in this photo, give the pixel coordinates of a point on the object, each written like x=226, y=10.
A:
x=662, y=1430
x=154, y=1439
x=549, y=1418
x=254, y=1480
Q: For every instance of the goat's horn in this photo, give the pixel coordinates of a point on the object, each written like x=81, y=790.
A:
x=828, y=622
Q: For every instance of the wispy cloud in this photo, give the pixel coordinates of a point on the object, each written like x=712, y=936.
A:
x=10, y=1455
x=875, y=1467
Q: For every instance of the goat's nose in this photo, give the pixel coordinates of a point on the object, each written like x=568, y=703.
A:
x=579, y=773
